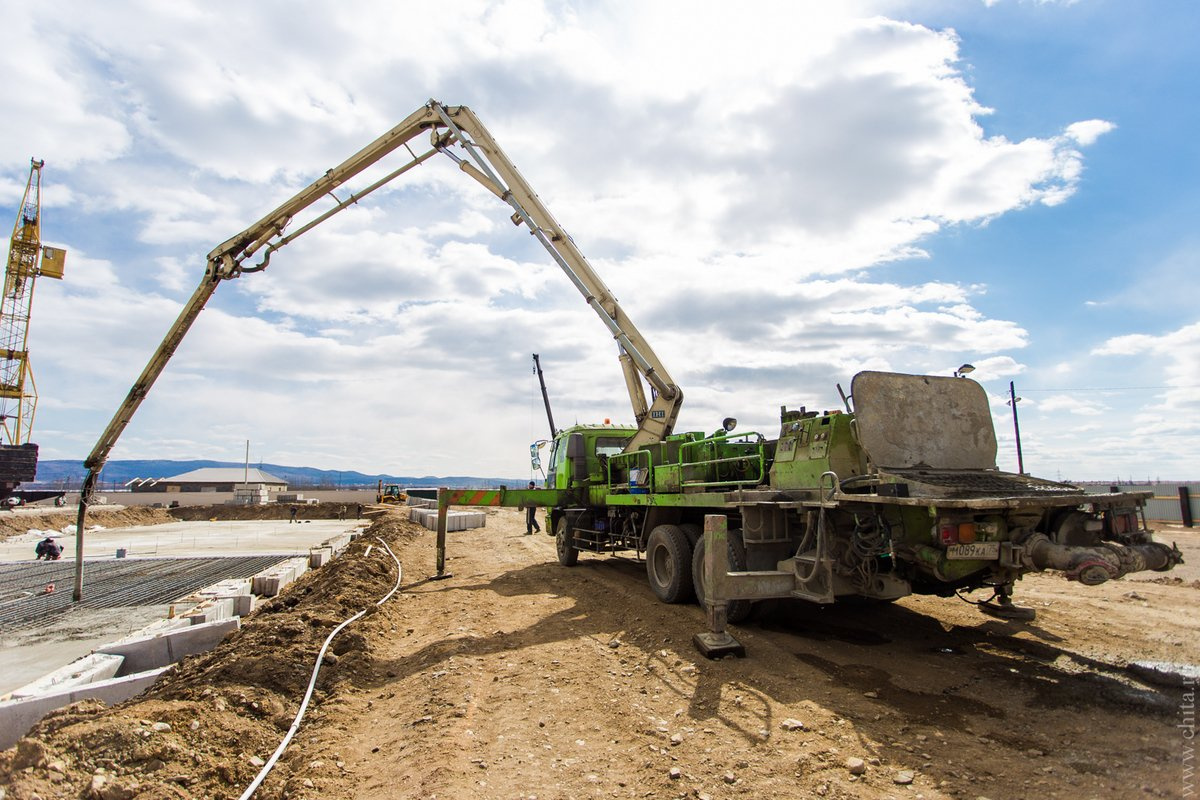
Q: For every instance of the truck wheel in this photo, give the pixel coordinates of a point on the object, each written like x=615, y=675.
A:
x=693, y=532
x=668, y=564
x=737, y=610
x=564, y=543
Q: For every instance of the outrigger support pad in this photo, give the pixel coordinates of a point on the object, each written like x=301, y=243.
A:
x=718, y=645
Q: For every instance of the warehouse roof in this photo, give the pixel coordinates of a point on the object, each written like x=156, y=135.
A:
x=224, y=475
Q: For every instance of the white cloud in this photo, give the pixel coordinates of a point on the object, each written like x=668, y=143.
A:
x=738, y=184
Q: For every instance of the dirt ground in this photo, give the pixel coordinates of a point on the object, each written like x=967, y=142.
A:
x=15, y=523
x=519, y=678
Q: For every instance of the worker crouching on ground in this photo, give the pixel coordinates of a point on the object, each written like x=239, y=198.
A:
x=531, y=523
x=48, y=549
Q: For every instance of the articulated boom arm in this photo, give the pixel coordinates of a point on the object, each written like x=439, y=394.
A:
x=452, y=129
x=491, y=167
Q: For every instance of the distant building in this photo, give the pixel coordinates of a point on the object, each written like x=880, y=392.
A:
x=211, y=479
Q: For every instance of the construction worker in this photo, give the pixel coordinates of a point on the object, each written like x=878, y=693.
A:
x=531, y=523
x=294, y=510
x=48, y=549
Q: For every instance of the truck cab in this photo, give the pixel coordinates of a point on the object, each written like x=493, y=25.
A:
x=579, y=456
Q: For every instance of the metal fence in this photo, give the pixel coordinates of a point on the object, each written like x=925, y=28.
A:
x=1173, y=503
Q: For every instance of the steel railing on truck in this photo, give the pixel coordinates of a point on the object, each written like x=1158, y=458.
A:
x=713, y=463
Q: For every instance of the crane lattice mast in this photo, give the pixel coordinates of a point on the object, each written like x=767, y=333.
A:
x=27, y=260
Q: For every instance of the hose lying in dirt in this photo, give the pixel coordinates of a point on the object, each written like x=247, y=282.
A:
x=253, y=787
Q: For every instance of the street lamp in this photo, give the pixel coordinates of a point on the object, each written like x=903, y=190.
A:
x=1013, y=400
x=963, y=370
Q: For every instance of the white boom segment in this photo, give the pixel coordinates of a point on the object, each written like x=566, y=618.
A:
x=453, y=130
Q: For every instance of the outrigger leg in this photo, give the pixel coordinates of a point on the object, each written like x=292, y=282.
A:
x=716, y=642
x=1001, y=606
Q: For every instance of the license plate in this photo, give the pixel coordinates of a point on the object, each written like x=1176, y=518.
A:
x=975, y=550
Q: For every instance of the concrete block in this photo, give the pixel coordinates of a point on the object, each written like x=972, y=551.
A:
x=89, y=669
x=339, y=543
x=212, y=610
x=167, y=648
x=18, y=716
x=422, y=516
x=243, y=604
x=455, y=520
x=172, y=623
x=271, y=582
x=319, y=557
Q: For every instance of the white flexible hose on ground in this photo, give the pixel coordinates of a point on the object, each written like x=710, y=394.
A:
x=253, y=787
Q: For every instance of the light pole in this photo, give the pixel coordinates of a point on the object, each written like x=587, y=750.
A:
x=962, y=371
x=1012, y=401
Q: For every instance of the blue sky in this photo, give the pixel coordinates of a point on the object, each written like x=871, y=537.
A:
x=780, y=197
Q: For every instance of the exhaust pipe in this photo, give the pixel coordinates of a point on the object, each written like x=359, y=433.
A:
x=1092, y=566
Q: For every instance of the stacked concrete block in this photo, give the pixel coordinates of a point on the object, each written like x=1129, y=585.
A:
x=340, y=542
x=455, y=520
x=271, y=582
x=421, y=502
x=212, y=610
x=250, y=496
x=172, y=623
x=319, y=557
x=228, y=598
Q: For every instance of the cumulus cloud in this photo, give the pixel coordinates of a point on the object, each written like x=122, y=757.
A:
x=741, y=187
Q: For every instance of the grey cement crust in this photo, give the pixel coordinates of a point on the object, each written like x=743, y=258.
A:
x=189, y=539
x=27, y=654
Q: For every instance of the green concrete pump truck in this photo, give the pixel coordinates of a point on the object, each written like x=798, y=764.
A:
x=898, y=494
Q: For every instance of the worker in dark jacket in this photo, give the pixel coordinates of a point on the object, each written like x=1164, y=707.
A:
x=531, y=523
x=48, y=549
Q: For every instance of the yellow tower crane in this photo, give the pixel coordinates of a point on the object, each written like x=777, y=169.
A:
x=27, y=260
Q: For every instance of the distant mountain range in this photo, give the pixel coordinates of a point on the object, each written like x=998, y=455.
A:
x=60, y=474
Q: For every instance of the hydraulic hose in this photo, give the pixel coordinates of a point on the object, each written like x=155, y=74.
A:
x=1095, y=565
x=312, y=683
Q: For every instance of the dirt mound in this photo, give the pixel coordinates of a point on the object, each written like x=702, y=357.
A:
x=271, y=511
x=207, y=725
x=16, y=524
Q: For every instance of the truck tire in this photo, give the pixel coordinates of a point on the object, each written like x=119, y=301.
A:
x=693, y=532
x=736, y=610
x=564, y=543
x=668, y=564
